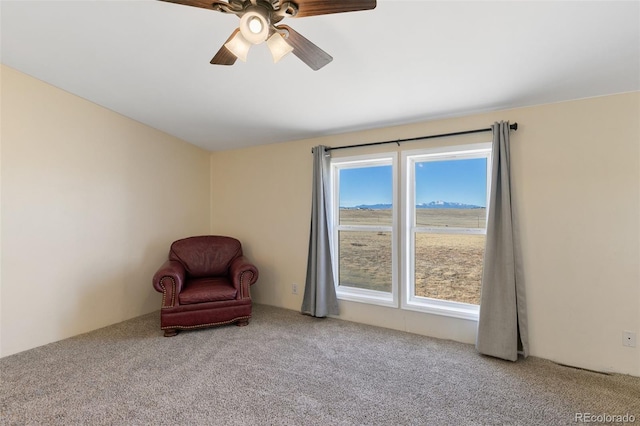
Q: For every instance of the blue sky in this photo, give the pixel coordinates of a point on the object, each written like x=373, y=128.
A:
x=462, y=181
x=366, y=185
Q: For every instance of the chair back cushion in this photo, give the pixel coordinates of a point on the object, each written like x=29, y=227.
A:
x=206, y=256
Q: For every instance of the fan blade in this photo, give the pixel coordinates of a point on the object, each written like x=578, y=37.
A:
x=324, y=7
x=308, y=52
x=224, y=55
x=205, y=4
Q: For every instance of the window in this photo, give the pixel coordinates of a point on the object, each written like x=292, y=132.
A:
x=364, y=231
x=446, y=222
x=443, y=222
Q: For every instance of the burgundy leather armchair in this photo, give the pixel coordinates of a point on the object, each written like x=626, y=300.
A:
x=204, y=283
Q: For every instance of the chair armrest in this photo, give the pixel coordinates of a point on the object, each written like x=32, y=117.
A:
x=243, y=274
x=169, y=280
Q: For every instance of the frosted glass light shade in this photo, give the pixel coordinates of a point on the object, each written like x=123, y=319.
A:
x=278, y=47
x=254, y=27
x=239, y=46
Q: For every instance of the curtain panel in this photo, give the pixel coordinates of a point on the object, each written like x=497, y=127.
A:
x=319, y=292
x=502, y=327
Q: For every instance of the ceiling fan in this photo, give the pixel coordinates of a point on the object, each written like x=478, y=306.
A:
x=258, y=23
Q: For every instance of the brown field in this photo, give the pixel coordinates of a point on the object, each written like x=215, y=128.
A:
x=462, y=218
x=448, y=266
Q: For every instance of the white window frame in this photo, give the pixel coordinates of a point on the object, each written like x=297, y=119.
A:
x=352, y=293
x=409, y=158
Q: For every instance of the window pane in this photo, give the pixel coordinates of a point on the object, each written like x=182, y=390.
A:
x=366, y=195
x=451, y=193
x=449, y=266
x=365, y=260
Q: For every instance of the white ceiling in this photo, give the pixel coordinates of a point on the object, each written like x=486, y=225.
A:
x=405, y=61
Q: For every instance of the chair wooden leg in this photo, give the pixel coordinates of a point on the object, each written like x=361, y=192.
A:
x=170, y=332
x=243, y=322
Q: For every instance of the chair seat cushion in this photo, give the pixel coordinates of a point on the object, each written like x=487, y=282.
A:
x=202, y=290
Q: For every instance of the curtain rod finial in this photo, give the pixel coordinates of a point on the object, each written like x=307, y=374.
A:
x=514, y=126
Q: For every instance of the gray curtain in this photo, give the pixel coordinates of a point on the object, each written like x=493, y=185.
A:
x=502, y=328
x=319, y=291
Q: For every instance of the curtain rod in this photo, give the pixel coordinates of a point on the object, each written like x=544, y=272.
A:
x=513, y=126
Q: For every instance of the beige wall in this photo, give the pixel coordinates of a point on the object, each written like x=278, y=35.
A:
x=90, y=203
x=86, y=219
x=576, y=174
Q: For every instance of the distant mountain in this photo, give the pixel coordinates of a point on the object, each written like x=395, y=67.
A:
x=446, y=205
x=431, y=205
x=372, y=207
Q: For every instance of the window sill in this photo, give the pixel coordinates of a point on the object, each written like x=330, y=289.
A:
x=445, y=308
x=423, y=304
x=367, y=296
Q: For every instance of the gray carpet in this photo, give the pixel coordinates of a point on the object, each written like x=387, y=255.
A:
x=290, y=369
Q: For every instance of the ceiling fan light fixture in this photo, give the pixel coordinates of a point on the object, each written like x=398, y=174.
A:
x=260, y=21
x=239, y=46
x=278, y=47
x=254, y=26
